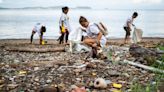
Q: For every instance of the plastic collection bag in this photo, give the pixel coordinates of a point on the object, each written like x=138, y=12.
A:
x=75, y=41
x=76, y=35
x=137, y=35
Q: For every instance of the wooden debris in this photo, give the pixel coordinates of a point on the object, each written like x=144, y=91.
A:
x=40, y=50
x=144, y=66
x=38, y=63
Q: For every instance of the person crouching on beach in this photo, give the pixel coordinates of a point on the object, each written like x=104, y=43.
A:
x=40, y=29
x=127, y=27
x=64, y=25
x=94, y=37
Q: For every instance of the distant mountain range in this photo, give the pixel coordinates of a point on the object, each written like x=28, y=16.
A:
x=52, y=7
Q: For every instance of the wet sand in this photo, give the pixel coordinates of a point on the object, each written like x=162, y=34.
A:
x=155, y=40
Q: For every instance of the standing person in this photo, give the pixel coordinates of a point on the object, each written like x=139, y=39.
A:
x=127, y=27
x=94, y=37
x=64, y=25
x=40, y=29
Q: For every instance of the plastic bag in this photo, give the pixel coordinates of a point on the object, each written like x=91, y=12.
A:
x=75, y=41
x=137, y=35
x=76, y=35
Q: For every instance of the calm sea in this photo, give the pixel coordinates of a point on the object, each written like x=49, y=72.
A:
x=19, y=23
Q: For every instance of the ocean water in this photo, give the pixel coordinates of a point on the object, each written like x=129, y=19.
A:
x=17, y=24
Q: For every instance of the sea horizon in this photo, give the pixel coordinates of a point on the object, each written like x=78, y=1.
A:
x=18, y=23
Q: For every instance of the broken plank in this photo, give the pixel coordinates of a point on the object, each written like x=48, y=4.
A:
x=40, y=50
x=144, y=66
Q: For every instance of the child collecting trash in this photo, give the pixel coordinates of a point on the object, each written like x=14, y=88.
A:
x=64, y=26
x=40, y=29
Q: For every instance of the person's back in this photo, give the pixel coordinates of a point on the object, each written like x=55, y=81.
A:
x=129, y=22
x=40, y=29
x=37, y=28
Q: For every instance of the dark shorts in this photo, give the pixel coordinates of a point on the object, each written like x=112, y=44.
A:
x=127, y=31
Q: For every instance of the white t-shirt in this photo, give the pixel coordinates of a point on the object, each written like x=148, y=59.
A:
x=92, y=31
x=37, y=28
x=129, y=21
x=65, y=19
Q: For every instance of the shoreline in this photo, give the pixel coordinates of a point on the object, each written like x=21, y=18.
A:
x=111, y=41
x=112, y=38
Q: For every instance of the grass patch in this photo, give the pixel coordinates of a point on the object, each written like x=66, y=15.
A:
x=139, y=88
x=150, y=87
x=161, y=47
x=153, y=85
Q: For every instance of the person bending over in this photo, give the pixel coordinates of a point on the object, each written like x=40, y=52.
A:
x=40, y=29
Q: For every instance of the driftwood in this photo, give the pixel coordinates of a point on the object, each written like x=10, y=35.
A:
x=45, y=63
x=77, y=67
x=41, y=50
x=38, y=64
x=144, y=66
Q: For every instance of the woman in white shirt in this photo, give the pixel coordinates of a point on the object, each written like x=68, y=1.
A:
x=94, y=37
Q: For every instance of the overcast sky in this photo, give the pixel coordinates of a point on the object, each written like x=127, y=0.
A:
x=96, y=4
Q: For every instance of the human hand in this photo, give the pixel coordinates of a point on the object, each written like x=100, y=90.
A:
x=94, y=45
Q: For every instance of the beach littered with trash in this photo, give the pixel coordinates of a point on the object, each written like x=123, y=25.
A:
x=32, y=67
